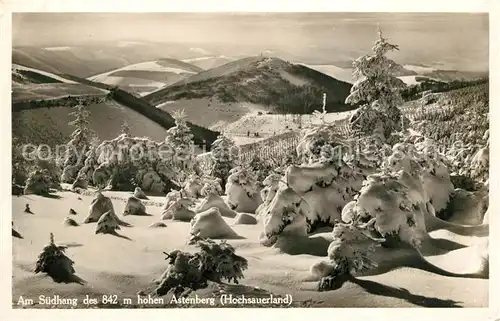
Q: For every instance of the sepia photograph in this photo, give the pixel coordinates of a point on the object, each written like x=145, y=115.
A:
x=250, y=160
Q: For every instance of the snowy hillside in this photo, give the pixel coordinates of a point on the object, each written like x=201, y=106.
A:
x=146, y=77
x=17, y=70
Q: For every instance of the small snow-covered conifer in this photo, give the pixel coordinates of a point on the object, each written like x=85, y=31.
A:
x=79, y=144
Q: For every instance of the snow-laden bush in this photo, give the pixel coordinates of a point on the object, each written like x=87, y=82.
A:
x=211, y=186
x=25, y=164
x=326, y=187
x=271, y=184
x=214, y=262
x=134, y=206
x=242, y=190
x=101, y=205
x=170, y=198
x=179, y=210
x=84, y=176
x=420, y=158
x=471, y=161
x=348, y=254
x=466, y=207
x=54, y=262
x=317, y=141
x=193, y=186
x=38, y=182
x=261, y=167
x=107, y=224
x=480, y=164
x=398, y=202
x=285, y=216
x=214, y=200
x=139, y=193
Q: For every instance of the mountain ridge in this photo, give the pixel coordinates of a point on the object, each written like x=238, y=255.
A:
x=269, y=81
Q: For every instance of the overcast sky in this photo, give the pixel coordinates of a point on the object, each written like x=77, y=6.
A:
x=457, y=36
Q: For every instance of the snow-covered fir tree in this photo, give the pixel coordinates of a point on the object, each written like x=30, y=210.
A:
x=125, y=128
x=79, y=144
x=180, y=140
x=379, y=90
x=223, y=158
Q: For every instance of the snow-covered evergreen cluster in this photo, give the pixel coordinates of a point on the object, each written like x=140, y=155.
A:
x=126, y=162
x=471, y=160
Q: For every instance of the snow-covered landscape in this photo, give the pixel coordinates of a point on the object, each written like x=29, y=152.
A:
x=271, y=179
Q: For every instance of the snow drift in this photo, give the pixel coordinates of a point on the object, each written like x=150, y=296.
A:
x=210, y=224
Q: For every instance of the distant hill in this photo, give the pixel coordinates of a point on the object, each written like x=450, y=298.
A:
x=146, y=77
x=90, y=60
x=209, y=62
x=44, y=108
x=272, y=84
x=22, y=75
x=410, y=74
x=31, y=85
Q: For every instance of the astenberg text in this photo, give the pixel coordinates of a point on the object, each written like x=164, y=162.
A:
x=230, y=299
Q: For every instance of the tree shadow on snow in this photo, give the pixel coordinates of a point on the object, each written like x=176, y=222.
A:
x=16, y=234
x=71, y=244
x=402, y=293
x=315, y=246
x=71, y=279
x=115, y=233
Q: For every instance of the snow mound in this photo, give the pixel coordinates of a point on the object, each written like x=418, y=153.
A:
x=68, y=221
x=158, y=224
x=134, y=206
x=468, y=208
x=100, y=205
x=216, y=201
x=210, y=224
x=245, y=219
